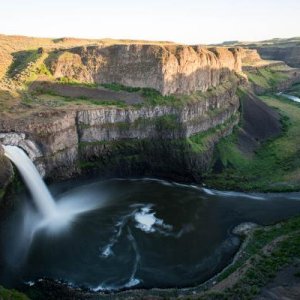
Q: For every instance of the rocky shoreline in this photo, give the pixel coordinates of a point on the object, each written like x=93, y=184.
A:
x=53, y=288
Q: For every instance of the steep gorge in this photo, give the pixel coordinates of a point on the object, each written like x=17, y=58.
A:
x=118, y=140
x=165, y=138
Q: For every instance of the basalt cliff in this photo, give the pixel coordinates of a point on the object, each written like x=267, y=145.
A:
x=287, y=50
x=167, y=69
x=64, y=142
x=126, y=109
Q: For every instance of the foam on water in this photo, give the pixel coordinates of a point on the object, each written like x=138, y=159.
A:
x=132, y=281
x=107, y=251
x=145, y=220
x=253, y=196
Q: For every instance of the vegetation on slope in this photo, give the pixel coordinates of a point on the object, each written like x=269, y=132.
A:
x=51, y=99
x=21, y=61
x=44, y=97
x=11, y=295
x=9, y=45
x=275, y=166
x=268, y=78
x=153, y=97
x=266, y=252
x=294, y=90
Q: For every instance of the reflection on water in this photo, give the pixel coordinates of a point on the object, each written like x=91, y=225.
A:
x=133, y=233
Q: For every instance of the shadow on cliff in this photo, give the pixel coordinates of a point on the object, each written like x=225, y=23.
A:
x=21, y=60
x=152, y=66
x=259, y=123
x=202, y=79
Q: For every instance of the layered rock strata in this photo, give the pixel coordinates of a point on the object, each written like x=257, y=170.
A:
x=289, y=54
x=63, y=143
x=6, y=171
x=168, y=69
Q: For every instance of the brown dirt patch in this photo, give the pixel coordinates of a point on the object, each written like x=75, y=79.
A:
x=98, y=93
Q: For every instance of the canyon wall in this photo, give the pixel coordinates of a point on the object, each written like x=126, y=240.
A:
x=168, y=69
x=127, y=141
x=289, y=54
x=6, y=171
x=171, y=140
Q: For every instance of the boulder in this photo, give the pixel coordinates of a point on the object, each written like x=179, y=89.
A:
x=244, y=228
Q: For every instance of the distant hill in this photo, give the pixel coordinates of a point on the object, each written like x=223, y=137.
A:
x=287, y=50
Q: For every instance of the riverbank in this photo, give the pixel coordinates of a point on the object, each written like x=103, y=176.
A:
x=63, y=114
x=265, y=252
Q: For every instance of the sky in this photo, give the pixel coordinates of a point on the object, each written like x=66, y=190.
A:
x=183, y=21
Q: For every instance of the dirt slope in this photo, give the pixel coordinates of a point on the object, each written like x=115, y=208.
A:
x=260, y=123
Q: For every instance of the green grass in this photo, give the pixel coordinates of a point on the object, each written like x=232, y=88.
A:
x=274, y=167
x=73, y=82
x=200, y=142
x=51, y=99
x=267, y=78
x=263, y=267
x=43, y=70
x=167, y=122
x=153, y=97
x=120, y=87
x=6, y=294
x=21, y=60
x=294, y=90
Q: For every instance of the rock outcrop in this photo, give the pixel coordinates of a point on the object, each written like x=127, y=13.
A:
x=140, y=138
x=168, y=69
x=250, y=57
x=130, y=140
x=6, y=171
x=289, y=54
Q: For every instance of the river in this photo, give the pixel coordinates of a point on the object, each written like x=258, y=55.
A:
x=143, y=233
x=291, y=97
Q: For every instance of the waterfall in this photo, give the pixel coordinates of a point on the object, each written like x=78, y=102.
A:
x=39, y=191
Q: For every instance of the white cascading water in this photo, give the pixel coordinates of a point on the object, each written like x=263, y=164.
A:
x=49, y=216
x=33, y=180
x=53, y=216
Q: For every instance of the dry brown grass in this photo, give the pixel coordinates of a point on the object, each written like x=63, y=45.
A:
x=10, y=44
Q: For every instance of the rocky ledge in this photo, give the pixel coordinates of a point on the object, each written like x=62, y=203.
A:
x=158, y=140
x=166, y=68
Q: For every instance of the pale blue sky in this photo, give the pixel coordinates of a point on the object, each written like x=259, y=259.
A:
x=186, y=21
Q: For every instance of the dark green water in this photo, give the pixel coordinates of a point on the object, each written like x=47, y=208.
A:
x=142, y=233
